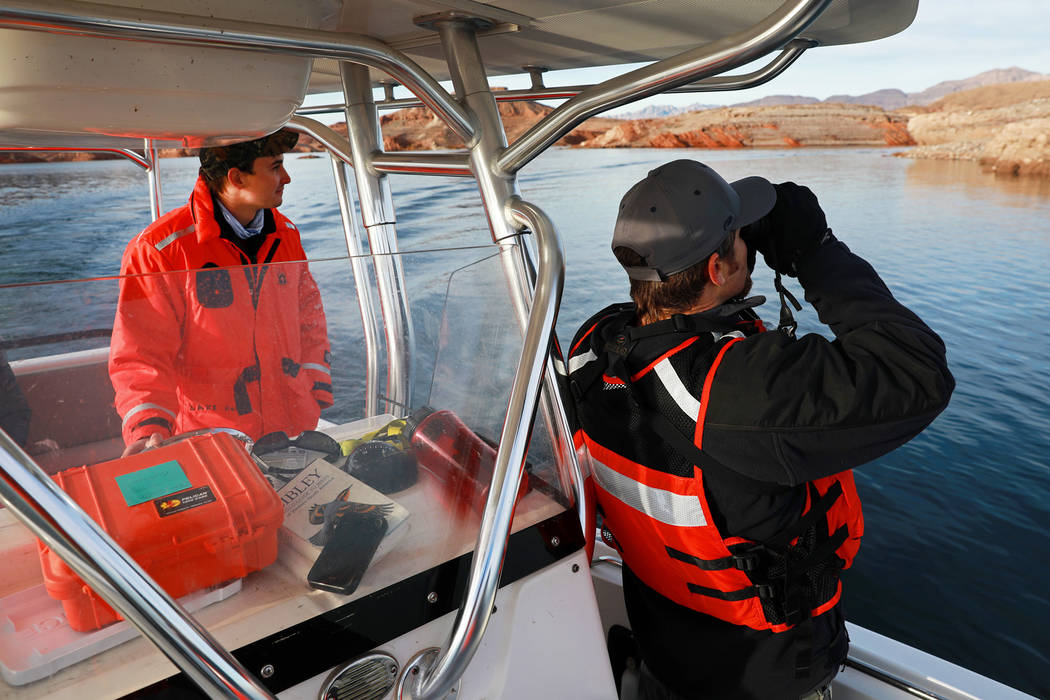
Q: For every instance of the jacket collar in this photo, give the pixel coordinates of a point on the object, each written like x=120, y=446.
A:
x=203, y=210
x=736, y=314
x=618, y=336
x=207, y=220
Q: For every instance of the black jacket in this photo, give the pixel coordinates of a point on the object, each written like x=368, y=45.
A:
x=780, y=413
x=14, y=410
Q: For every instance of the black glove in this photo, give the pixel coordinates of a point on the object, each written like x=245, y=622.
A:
x=795, y=227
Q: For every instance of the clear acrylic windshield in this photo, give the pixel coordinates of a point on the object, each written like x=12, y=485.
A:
x=328, y=506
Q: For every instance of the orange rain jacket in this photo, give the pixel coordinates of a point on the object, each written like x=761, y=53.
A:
x=206, y=337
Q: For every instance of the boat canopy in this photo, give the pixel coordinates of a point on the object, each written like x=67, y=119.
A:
x=260, y=60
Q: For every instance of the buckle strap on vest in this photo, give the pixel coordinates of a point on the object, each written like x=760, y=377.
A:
x=783, y=591
x=760, y=590
x=745, y=562
x=817, y=510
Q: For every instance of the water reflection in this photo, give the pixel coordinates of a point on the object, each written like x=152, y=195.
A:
x=971, y=177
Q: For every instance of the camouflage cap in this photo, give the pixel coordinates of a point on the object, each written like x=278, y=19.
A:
x=216, y=161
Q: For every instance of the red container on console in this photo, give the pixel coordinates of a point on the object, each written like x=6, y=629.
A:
x=458, y=460
x=192, y=514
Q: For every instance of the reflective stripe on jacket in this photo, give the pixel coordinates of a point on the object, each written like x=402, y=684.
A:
x=216, y=341
x=660, y=519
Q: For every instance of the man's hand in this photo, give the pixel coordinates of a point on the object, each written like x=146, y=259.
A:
x=789, y=232
x=142, y=444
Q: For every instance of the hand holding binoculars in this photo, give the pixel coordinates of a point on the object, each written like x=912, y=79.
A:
x=789, y=232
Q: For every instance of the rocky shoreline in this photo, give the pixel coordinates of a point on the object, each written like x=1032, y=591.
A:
x=783, y=126
x=1003, y=127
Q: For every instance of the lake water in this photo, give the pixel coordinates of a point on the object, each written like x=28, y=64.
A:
x=956, y=544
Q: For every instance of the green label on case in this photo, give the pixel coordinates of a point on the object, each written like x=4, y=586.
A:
x=152, y=482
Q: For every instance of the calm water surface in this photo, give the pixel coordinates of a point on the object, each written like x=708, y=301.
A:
x=956, y=548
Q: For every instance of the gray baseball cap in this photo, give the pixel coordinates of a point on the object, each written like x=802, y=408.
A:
x=681, y=212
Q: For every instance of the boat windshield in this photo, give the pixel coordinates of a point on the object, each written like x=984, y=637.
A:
x=280, y=527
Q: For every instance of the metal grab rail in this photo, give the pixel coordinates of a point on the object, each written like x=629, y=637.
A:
x=380, y=221
x=332, y=140
x=454, y=163
x=135, y=158
x=449, y=164
x=156, y=203
x=110, y=21
x=719, y=56
x=369, y=320
x=761, y=76
x=57, y=520
x=473, y=616
x=891, y=680
x=147, y=161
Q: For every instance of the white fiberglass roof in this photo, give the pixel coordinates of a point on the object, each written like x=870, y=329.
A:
x=562, y=34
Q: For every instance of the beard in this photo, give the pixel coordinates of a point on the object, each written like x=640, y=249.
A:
x=745, y=290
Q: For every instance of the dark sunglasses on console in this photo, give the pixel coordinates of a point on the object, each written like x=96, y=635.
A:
x=312, y=440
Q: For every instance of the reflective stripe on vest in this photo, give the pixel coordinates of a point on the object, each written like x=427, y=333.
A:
x=666, y=506
x=146, y=407
x=172, y=237
x=317, y=368
x=673, y=385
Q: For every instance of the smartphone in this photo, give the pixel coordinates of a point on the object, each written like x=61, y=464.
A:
x=349, y=550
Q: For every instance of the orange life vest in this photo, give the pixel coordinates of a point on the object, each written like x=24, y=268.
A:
x=662, y=522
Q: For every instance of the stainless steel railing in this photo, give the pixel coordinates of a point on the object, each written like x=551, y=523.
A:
x=720, y=83
x=369, y=321
x=378, y=219
x=147, y=161
x=487, y=564
x=735, y=50
x=156, y=203
x=135, y=158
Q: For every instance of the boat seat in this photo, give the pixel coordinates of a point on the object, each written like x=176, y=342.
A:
x=72, y=420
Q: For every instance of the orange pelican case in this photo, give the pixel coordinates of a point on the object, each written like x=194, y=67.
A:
x=192, y=514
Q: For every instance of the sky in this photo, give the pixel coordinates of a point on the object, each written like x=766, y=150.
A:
x=949, y=40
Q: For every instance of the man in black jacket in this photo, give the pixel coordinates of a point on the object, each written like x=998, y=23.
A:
x=721, y=453
x=14, y=409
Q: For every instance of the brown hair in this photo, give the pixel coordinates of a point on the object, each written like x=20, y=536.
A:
x=216, y=161
x=656, y=301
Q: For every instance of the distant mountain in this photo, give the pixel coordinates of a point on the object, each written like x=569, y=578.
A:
x=660, y=111
x=890, y=98
x=989, y=77
x=779, y=101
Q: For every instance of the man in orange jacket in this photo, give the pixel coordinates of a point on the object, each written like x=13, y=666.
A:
x=219, y=322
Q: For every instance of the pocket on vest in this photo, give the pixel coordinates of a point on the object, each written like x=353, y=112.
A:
x=214, y=287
